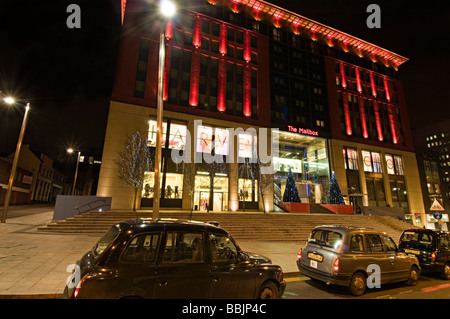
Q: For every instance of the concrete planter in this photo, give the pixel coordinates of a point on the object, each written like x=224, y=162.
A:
x=296, y=207
x=339, y=209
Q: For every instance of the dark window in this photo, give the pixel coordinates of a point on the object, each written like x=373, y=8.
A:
x=374, y=244
x=183, y=247
x=142, y=248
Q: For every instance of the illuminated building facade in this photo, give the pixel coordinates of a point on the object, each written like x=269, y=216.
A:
x=335, y=99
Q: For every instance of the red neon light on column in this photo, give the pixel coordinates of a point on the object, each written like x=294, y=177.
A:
x=122, y=7
x=362, y=114
x=247, y=53
x=393, y=123
x=196, y=36
x=386, y=87
x=167, y=72
x=377, y=120
x=169, y=30
x=223, y=39
x=358, y=80
x=247, y=91
x=348, y=123
x=221, y=85
x=344, y=83
x=372, y=84
x=195, y=76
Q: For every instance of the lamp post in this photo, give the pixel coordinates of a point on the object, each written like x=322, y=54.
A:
x=167, y=9
x=70, y=151
x=11, y=101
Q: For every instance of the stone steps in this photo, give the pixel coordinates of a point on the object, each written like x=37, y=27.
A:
x=246, y=226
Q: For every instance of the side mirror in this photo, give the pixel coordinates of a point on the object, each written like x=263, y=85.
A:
x=242, y=257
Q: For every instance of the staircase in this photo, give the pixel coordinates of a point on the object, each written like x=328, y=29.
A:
x=242, y=226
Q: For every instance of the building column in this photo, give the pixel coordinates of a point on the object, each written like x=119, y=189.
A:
x=387, y=185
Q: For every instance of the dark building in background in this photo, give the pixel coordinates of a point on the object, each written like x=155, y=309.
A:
x=433, y=157
x=336, y=101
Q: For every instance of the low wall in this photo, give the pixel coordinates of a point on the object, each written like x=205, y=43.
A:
x=69, y=206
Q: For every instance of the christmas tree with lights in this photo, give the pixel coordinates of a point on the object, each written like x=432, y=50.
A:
x=291, y=192
x=334, y=192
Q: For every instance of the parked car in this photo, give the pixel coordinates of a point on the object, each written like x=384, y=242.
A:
x=342, y=255
x=432, y=249
x=173, y=259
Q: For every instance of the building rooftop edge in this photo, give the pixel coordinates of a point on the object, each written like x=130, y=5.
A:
x=334, y=36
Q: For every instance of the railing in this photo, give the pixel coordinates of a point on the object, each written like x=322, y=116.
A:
x=93, y=205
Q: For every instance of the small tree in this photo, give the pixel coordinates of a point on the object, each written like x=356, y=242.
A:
x=334, y=192
x=291, y=192
x=133, y=162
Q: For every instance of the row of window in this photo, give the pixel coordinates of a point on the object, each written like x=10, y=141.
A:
x=210, y=140
x=372, y=162
x=179, y=247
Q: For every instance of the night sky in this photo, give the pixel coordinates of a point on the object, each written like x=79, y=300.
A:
x=67, y=73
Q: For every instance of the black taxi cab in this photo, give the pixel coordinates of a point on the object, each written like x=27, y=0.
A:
x=172, y=259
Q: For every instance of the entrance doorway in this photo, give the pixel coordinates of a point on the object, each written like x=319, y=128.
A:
x=211, y=191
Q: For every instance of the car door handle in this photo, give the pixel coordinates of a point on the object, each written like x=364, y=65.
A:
x=162, y=283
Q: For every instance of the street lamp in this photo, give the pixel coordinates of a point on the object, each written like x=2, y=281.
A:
x=70, y=151
x=167, y=10
x=11, y=101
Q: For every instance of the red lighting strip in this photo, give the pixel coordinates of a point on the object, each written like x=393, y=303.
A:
x=195, y=76
x=393, y=123
x=247, y=91
x=348, y=124
x=344, y=83
x=377, y=120
x=358, y=80
x=169, y=30
x=362, y=113
x=221, y=85
x=386, y=87
x=223, y=39
x=197, y=37
x=372, y=84
x=247, y=53
x=167, y=72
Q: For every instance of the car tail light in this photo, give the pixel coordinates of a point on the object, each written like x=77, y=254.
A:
x=433, y=256
x=77, y=290
x=336, y=264
x=299, y=255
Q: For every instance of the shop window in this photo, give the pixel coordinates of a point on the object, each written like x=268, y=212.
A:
x=211, y=139
x=247, y=145
x=177, y=135
x=351, y=158
x=394, y=164
x=372, y=162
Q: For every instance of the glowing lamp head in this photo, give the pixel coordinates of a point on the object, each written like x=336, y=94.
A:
x=70, y=150
x=167, y=8
x=9, y=100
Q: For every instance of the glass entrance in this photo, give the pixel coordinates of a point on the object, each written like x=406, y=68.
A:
x=211, y=193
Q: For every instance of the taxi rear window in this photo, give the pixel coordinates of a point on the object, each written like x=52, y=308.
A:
x=326, y=238
x=418, y=237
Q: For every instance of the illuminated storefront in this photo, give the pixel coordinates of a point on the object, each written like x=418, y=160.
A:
x=172, y=173
x=307, y=158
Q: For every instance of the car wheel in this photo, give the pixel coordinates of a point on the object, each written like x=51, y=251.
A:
x=446, y=272
x=413, y=276
x=358, y=284
x=268, y=291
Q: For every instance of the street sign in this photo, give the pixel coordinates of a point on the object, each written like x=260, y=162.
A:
x=436, y=207
x=437, y=215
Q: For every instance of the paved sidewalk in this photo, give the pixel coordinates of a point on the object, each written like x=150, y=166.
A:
x=33, y=264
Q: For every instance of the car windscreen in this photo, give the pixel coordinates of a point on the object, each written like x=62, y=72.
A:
x=326, y=238
x=106, y=240
x=417, y=237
